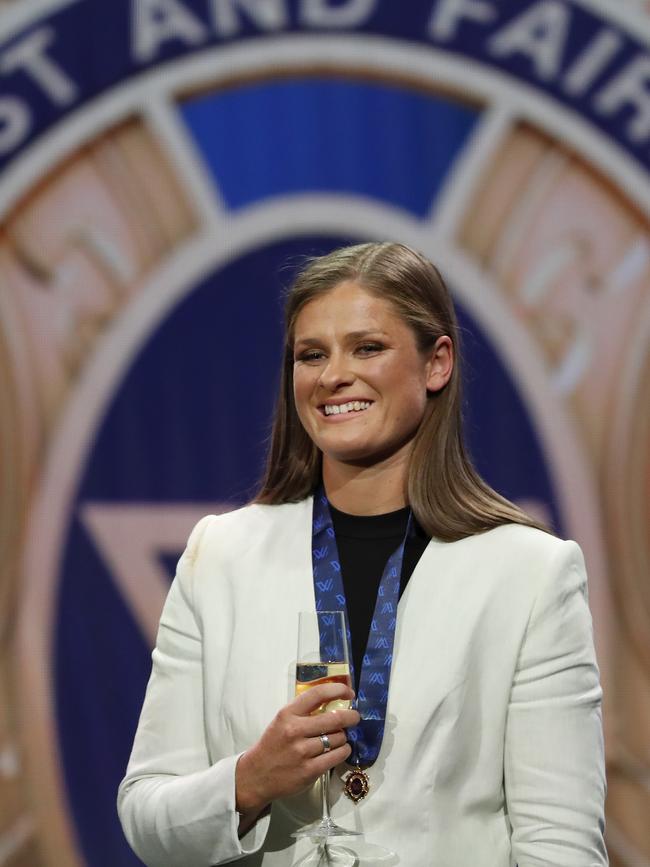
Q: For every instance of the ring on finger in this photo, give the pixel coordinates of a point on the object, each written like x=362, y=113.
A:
x=327, y=746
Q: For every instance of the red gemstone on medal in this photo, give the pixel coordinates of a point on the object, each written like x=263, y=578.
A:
x=356, y=785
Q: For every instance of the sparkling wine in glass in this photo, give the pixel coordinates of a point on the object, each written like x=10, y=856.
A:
x=323, y=658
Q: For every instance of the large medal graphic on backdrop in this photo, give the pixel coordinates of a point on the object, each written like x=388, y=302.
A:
x=185, y=174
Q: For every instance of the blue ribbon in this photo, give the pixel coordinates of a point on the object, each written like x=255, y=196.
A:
x=372, y=698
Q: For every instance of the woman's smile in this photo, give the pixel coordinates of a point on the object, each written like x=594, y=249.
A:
x=346, y=410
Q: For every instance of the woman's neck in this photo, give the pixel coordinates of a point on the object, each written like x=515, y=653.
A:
x=372, y=490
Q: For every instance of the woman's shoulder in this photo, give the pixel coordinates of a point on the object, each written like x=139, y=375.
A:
x=248, y=526
x=511, y=546
x=544, y=557
x=520, y=537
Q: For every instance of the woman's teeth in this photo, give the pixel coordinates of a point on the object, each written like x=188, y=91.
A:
x=352, y=406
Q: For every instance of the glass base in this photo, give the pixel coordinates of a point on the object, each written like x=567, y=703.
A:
x=328, y=855
x=324, y=830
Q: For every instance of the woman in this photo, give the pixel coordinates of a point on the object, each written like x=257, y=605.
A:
x=492, y=749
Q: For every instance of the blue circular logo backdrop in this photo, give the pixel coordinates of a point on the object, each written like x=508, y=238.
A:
x=168, y=174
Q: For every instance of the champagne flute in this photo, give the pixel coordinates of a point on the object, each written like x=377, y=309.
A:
x=323, y=658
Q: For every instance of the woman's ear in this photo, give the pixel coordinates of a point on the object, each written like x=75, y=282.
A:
x=440, y=364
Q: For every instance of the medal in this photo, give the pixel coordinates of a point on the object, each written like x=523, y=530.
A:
x=372, y=698
x=356, y=785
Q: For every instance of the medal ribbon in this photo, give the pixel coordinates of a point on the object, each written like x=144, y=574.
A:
x=372, y=698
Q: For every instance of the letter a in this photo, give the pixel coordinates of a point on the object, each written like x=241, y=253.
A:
x=158, y=21
x=540, y=33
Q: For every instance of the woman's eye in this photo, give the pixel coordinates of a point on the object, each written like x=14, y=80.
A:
x=309, y=355
x=369, y=348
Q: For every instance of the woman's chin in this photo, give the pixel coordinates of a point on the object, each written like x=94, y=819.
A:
x=351, y=456
x=365, y=454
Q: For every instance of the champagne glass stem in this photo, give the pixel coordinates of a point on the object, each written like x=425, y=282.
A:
x=325, y=797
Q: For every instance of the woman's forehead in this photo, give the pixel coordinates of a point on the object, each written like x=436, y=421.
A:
x=348, y=303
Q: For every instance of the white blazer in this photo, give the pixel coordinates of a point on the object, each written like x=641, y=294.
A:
x=493, y=752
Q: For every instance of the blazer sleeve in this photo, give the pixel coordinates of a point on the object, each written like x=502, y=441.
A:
x=554, y=757
x=176, y=808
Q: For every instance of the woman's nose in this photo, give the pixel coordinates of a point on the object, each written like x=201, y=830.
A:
x=336, y=372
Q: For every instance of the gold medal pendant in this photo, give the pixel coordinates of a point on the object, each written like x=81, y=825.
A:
x=356, y=785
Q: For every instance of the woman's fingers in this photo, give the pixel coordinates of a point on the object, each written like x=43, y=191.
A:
x=316, y=696
x=306, y=708
x=325, y=762
x=330, y=721
x=317, y=745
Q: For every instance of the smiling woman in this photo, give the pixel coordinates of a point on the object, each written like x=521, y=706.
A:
x=476, y=736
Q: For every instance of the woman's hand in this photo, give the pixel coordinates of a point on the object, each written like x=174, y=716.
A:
x=289, y=756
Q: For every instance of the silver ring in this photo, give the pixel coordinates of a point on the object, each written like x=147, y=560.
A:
x=327, y=746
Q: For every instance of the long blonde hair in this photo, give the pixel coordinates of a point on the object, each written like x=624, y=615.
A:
x=448, y=497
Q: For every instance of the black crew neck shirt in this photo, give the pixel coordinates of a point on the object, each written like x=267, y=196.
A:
x=365, y=542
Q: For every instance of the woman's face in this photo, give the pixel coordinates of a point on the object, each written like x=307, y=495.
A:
x=360, y=382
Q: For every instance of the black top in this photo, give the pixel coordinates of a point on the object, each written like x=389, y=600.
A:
x=365, y=542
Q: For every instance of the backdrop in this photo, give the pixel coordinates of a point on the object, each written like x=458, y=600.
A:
x=166, y=164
